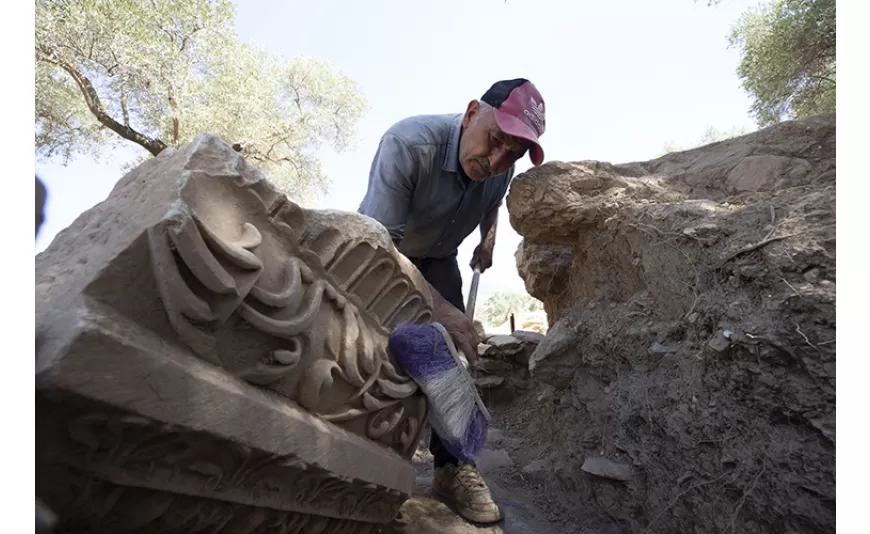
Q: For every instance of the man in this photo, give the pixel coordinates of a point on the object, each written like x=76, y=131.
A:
x=434, y=179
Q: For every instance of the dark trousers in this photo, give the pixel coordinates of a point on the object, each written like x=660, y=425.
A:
x=443, y=274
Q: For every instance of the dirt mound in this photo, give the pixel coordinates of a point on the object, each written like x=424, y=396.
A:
x=688, y=381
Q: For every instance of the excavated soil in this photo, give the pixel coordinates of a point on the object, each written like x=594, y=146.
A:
x=692, y=345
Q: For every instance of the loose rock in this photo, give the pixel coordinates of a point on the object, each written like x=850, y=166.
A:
x=489, y=381
x=657, y=349
x=505, y=344
x=719, y=342
x=602, y=467
x=536, y=468
x=528, y=337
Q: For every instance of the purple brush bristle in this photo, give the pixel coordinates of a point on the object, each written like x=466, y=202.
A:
x=415, y=346
x=475, y=437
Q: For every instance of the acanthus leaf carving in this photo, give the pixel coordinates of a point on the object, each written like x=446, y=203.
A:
x=327, y=350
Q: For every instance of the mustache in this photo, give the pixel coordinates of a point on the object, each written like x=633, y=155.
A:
x=484, y=162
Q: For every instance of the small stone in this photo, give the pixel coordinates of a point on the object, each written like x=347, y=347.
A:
x=528, y=337
x=657, y=349
x=482, y=349
x=602, y=467
x=489, y=381
x=535, y=467
x=505, y=344
x=812, y=276
x=546, y=391
x=719, y=342
x=592, y=305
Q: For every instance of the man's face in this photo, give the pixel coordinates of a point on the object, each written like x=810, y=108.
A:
x=485, y=150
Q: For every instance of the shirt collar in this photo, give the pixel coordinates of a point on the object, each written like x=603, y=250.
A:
x=451, y=159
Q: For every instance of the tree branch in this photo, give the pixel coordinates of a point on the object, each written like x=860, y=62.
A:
x=124, y=105
x=821, y=79
x=92, y=99
x=173, y=105
x=257, y=155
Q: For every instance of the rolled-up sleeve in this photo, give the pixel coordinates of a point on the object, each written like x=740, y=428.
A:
x=391, y=184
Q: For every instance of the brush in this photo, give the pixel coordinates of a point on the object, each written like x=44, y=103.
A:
x=457, y=414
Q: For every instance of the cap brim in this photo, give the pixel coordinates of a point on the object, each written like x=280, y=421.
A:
x=517, y=128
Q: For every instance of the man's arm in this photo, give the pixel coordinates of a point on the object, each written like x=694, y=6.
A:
x=482, y=255
x=391, y=183
x=488, y=227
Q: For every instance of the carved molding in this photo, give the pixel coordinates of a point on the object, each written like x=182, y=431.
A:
x=118, y=509
x=305, y=312
x=128, y=471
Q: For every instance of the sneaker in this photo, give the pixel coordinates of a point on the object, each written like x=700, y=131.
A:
x=464, y=487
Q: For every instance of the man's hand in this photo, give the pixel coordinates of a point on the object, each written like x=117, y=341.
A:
x=482, y=256
x=460, y=327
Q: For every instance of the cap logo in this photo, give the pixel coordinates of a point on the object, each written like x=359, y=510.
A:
x=536, y=115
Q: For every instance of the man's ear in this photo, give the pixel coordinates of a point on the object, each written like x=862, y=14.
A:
x=470, y=111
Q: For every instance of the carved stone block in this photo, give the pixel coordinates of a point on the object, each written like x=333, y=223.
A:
x=212, y=357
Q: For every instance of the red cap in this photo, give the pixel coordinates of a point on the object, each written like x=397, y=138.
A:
x=519, y=111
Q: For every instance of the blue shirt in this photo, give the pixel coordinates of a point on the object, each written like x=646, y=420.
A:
x=418, y=192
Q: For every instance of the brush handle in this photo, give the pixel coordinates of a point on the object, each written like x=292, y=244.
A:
x=460, y=358
x=472, y=293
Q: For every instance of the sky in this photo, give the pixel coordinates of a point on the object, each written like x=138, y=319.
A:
x=621, y=79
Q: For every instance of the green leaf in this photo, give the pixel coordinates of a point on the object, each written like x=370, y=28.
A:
x=162, y=71
x=788, y=58
x=498, y=307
